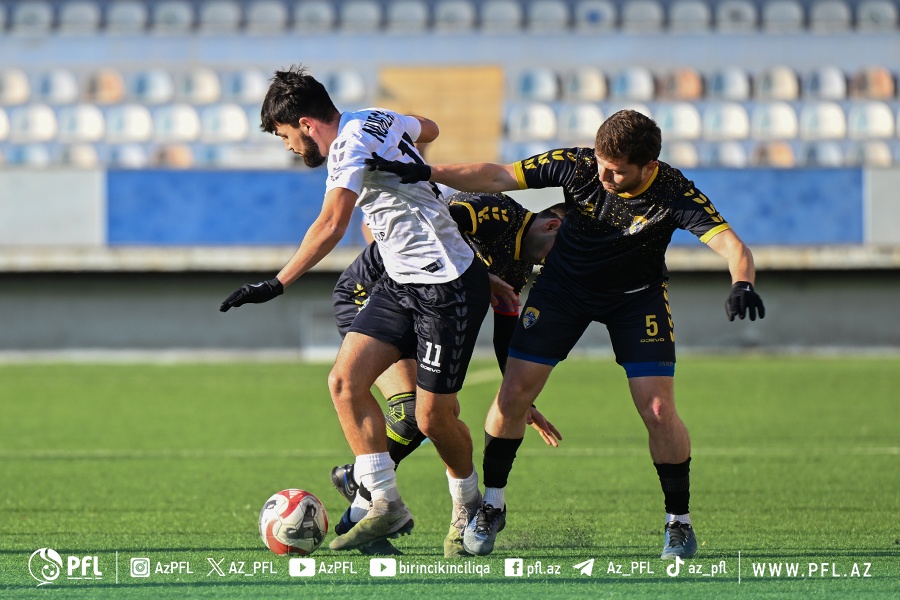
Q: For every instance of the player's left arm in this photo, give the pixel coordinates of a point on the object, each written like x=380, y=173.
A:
x=430, y=130
x=743, y=299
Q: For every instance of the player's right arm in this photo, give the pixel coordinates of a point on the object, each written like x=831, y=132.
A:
x=476, y=177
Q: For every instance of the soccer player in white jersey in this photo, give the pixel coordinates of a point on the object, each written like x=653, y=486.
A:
x=430, y=307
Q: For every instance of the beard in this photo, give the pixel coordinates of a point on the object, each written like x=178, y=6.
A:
x=311, y=156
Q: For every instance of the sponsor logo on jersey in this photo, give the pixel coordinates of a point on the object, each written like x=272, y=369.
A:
x=637, y=225
x=530, y=317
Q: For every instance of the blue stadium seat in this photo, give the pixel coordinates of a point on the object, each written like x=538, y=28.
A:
x=152, y=86
x=247, y=86
x=595, y=16
x=35, y=156
x=729, y=83
x=736, y=16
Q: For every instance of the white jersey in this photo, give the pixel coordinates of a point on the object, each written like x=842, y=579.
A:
x=418, y=240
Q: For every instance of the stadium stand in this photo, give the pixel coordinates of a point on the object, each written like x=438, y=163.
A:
x=690, y=16
x=595, y=16
x=79, y=17
x=642, y=16
x=406, y=16
x=219, y=16
x=830, y=16
x=80, y=123
x=127, y=17
x=454, y=16
x=266, y=16
x=501, y=16
x=544, y=16
x=360, y=16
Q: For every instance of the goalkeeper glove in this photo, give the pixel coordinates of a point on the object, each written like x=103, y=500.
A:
x=744, y=301
x=409, y=172
x=253, y=293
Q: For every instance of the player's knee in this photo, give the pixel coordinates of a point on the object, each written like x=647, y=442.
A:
x=432, y=419
x=659, y=413
x=339, y=386
x=512, y=402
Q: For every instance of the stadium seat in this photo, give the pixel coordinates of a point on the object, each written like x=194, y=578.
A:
x=689, y=16
x=777, y=83
x=266, y=16
x=725, y=121
x=128, y=156
x=782, y=16
x=79, y=156
x=683, y=83
x=223, y=123
x=248, y=86
x=726, y=154
x=867, y=120
x=537, y=84
x=830, y=16
x=578, y=123
x=173, y=156
x=80, y=123
x=198, y=86
x=875, y=83
x=876, y=15
x=501, y=15
x=219, y=16
x=773, y=154
x=736, y=16
x=642, y=16
x=822, y=121
x=14, y=87
x=345, y=86
x=32, y=18
x=824, y=154
x=153, y=86
x=633, y=83
x=360, y=15
x=128, y=123
x=682, y=155
x=104, y=86
x=4, y=125
x=32, y=123
x=595, y=16
x=825, y=83
x=773, y=121
x=247, y=156
x=172, y=17
x=314, y=15
x=407, y=16
x=869, y=154
x=35, y=156
x=79, y=17
x=584, y=84
x=176, y=123
x=255, y=135
x=547, y=16
x=615, y=106
x=729, y=83
x=126, y=17
x=57, y=86
x=454, y=16
x=678, y=121
x=530, y=122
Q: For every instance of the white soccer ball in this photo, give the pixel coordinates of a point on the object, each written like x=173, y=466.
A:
x=293, y=522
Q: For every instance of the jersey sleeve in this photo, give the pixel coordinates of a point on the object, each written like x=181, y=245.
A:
x=346, y=163
x=480, y=218
x=555, y=168
x=412, y=126
x=697, y=214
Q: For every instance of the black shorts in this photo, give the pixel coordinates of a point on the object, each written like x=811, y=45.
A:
x=436, y=323
x=355, y=285
x=639, y=324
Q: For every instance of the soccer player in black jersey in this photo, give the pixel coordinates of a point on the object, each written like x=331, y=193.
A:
x=608, y=265
x=510, y=240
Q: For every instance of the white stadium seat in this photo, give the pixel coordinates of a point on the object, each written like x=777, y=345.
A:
x=57, y=86
x=830, y=16
x=172, y=17
x=80, y=123
x=198, y=86
x=405, y=16
x=870, y=120
x=314, y=15
x=736, y=16
x=595, y=16
x=729, y=83
x=360, y=15
x=32, y=123
x=678, y=121
x=79, y=17
x=219, y=16
x=223, y=123
x=126, y=17
x=345, y=86
x=578, y=123
x=128, y=156
x=32, y=18
x=683, y=155
x=584, y=84
x=266, y=16
x=454, y=15
x=4, y=125
x=633, y=83
x=14, y=87
x=773, y=121
x=35, y=156
x=501, y=15
x=824, y=154
x=725, y=154
x=870, y=154
x=782, y=16
x=725, y=121
x=128, y=123
x=826, y=83
x=547, y=15
x=689, y=16
x=247, y=86
x=822, y=121
x=538, y=84
x=530, y=122
x=79, y=156
x=176, y=123
x=876, y=15
x=778, y=82
x=153, y=86
x=642, y=16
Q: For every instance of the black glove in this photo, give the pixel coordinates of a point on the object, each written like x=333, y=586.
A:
x=253, y=293
x=409, y=172
x=744, y=301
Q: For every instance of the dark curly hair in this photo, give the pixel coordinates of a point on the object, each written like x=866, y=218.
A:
x=629, y=135
x=294, y=94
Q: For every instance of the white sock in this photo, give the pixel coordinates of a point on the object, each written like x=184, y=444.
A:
x=376, y=472
x=464, y=491
x=494, y=497
x=359, y=508
x=686, y=519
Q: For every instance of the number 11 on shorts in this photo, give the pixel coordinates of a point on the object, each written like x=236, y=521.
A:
x=428, y=360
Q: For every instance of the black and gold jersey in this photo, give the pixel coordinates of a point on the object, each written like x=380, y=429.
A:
x=494, y=225
x=610, y=243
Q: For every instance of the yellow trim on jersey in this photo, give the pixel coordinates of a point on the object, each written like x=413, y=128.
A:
x=471, y=214
x=529, y=217
x=643, y=189
x=714, y=232
x=520, y=176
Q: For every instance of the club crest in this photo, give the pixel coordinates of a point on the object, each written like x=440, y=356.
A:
x=636, y=225
x=530, y=317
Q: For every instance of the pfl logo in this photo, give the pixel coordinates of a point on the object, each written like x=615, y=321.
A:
x=45, y=566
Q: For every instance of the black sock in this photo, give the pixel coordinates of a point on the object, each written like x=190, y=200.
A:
x=403, y=431
x=676, y=486
x=499, y=454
